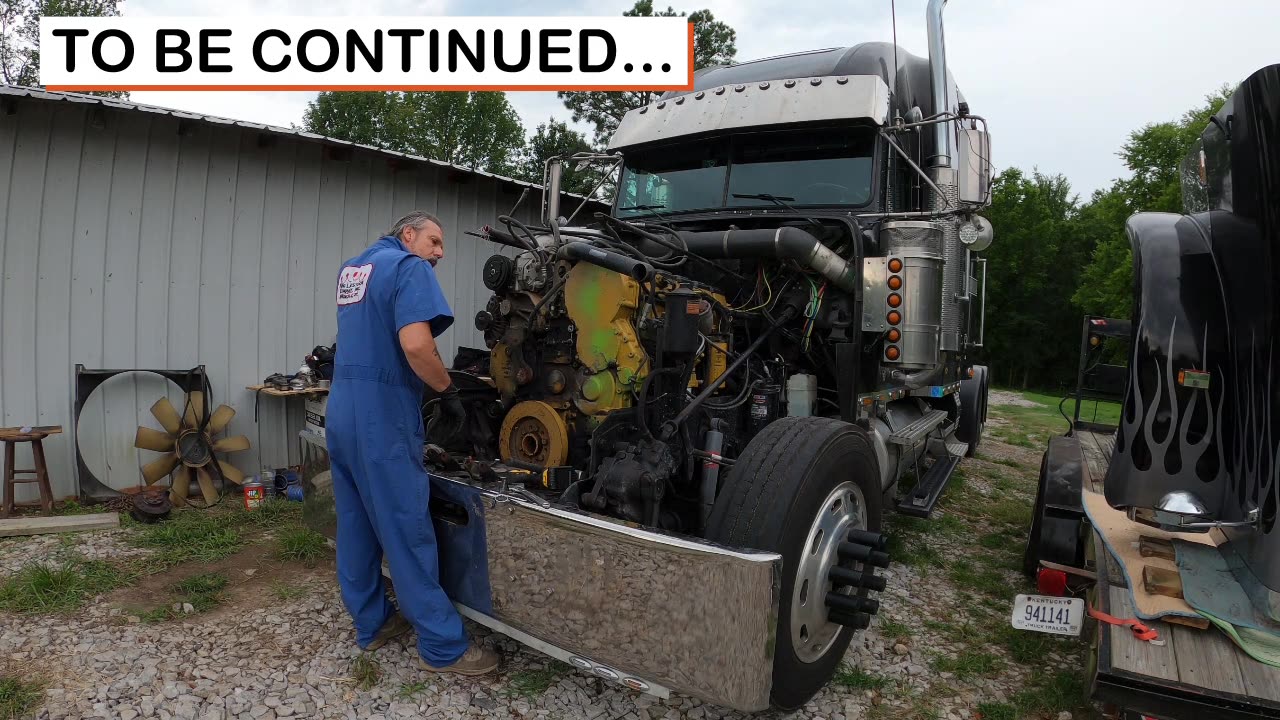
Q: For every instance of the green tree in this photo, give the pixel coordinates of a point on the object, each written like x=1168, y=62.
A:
x=477, y=130
x=20, y=35
x=1035, y=264
x=555, y=138
x=714, y=43
x=1153, y=155
x=368, y=118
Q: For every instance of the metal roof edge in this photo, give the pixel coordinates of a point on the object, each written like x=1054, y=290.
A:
x=34, y=93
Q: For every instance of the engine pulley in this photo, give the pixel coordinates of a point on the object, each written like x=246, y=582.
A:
x=533, y=432
x=497, y=272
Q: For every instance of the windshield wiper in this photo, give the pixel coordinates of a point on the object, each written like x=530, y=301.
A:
x=766, y=196
x=781, y=200
x=642, y=207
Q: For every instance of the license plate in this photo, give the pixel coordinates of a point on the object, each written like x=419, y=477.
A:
x=1048, y=614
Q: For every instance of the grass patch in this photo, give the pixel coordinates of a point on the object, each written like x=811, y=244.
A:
x=907, y=544
x=1051, y=693
x=302, y=544
x=895, y=630
x=282, y=591
x=994, y=541
x=986, y=580
x=969, y=664
x=366, y=671
x=193, y=535
x=532, y=683
x=73, y=507
x=1011, y=511
x=272, y=513
x=44, y=588
x=19, y=697
x=961, y=632
x=950, y=525
x=202, y=592
x=407, y=691
x=1003, y=461
x=997, y=711
x=854, y=678
x=1026, y=647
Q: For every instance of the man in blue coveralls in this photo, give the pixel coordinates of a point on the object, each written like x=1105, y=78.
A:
x=390, y=310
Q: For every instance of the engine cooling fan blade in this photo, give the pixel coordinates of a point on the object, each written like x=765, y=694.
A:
x=151, y=439
x=231, y=472
x=231, y=444
x=220, y=418
x=157, y=470
x=164, y=413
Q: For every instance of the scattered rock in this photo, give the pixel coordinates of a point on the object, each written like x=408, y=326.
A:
x=900, y=649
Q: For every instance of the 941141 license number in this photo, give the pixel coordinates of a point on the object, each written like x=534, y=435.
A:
x=1048, y=614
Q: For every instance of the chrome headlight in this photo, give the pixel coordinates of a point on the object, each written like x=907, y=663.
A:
x=976, y=234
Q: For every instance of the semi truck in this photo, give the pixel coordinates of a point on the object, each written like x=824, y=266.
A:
x=696, y=408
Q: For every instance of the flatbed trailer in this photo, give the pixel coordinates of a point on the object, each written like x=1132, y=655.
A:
x=1195, y=675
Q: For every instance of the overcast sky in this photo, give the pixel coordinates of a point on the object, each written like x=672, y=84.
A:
x=1060, y=83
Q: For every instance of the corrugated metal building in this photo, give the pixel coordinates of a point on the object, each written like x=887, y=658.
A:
x=141, y=237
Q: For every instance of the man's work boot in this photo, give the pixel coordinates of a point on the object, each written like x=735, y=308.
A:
x=393, y=628
x=475, y=661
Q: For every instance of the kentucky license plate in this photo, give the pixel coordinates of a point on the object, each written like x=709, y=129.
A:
x=1048, y=614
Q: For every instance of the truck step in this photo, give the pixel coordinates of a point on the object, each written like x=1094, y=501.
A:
x=924, y=496
x=913, y=433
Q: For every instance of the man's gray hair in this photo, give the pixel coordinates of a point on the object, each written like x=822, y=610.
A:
x=416, y=220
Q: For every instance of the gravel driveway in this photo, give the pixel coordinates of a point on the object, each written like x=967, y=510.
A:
x=280, y=643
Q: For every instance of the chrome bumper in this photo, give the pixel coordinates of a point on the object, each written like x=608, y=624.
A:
x=650, y=611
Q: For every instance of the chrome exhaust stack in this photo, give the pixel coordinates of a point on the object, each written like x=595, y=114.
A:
x=938, y=78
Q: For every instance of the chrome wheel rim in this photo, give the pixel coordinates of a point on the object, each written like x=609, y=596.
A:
x=812, y=634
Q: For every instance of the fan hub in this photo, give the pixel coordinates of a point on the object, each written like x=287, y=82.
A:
x=193, y=449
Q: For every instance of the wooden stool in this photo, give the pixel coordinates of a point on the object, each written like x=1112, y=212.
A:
x=11, y=437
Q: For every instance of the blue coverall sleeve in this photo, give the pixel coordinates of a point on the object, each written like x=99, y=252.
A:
x=419, y=297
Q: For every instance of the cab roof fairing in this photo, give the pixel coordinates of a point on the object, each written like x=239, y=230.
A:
x=759, y=105
x=906, y=75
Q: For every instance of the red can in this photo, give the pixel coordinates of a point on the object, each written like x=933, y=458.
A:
x=253, y=495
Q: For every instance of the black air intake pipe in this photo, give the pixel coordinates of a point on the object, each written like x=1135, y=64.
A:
x=585, y=252
x=783, y=243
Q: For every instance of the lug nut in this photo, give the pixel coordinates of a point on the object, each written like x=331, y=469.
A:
x=862, y=553
x=850, y=603
x=857, y=621
x=873, y=540
x=844, y=577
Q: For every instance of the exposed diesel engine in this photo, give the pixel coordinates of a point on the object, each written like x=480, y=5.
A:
x=642, y=357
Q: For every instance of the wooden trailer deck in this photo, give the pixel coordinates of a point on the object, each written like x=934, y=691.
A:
x=1196, y=675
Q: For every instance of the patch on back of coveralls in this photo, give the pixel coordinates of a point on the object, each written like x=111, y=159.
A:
x=352, y=283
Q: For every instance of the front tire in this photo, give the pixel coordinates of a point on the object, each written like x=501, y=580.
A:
x=797, y=489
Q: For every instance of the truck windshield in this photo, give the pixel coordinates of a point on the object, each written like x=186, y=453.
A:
x=810, y=167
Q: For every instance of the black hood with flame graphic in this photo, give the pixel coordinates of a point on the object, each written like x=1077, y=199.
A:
x=1206, y=287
